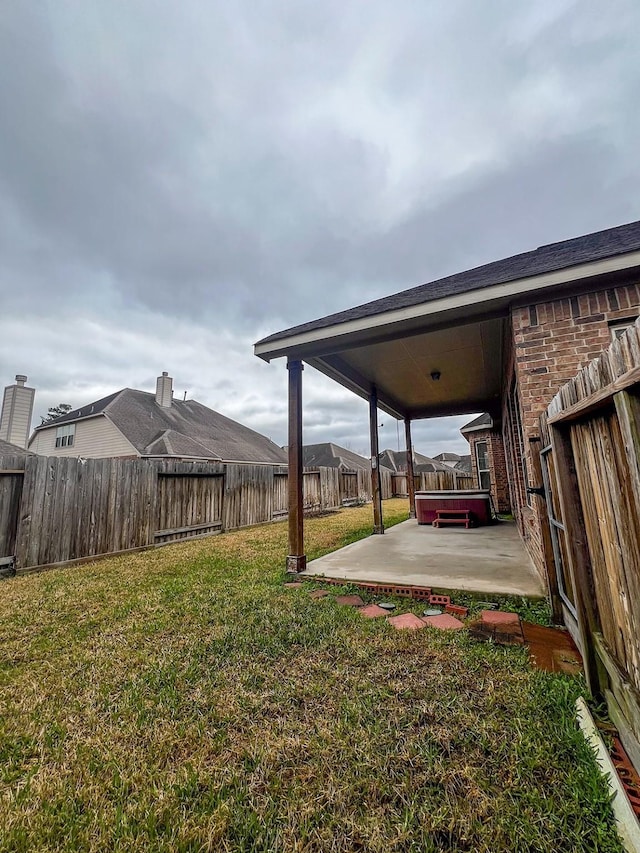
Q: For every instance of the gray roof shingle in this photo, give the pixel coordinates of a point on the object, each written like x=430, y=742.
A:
x=186, y=428
x=328, y=455
x=545, y=259
x=396, y=460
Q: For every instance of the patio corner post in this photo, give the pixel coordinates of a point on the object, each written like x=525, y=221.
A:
x=296, y=560
x=411, y=483
x=378, y=525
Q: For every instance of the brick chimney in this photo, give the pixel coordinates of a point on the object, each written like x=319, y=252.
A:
x=17, y=409
x=164, y=390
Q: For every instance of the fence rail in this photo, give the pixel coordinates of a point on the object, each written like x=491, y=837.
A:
x=55, y=510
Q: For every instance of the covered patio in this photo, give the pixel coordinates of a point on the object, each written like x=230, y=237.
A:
x=436, y=350
x=489, y=560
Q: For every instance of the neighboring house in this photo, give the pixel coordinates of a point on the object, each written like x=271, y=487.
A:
x=501, y=338
x=396, y=460
x=449, y=459
x=488, y=464
x=328, y=455
x=464, y=465
x=137, y=423
x=455, y=461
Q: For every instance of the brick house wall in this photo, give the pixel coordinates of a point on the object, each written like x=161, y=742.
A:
x=554, y=340
x=550, y=342
x=497, y=466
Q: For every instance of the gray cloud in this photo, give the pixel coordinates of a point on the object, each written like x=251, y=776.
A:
x=177, y=180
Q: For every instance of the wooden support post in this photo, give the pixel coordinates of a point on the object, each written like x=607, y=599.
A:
x=296, y=561
x=411, y=483
x=578, y=553
x=378, y=525
x=545, y=530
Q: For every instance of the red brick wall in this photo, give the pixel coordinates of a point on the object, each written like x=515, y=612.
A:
x=551, y=342
x=497, y=465
x=554, y=340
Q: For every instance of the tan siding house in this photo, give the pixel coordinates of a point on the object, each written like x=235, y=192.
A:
x=138, y=423
x=94, y=438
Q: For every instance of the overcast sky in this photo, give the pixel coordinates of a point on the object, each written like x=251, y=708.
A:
x=179, y=179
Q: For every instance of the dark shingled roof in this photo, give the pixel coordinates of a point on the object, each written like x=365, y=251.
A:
x=464, y=465
x=545, y=259
x=448, y=457
x=330, y=455
x=396, y=460
x=186, y=428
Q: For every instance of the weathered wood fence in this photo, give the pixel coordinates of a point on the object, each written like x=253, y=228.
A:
x=395, y=485
x=590, y=437
x=54, y=510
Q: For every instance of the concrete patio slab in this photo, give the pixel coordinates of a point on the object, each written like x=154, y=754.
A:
x=483, y=559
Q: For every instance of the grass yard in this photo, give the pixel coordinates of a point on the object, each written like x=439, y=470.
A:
x=182, y=700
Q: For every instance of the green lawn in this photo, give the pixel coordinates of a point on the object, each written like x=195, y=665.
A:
x=182, y=699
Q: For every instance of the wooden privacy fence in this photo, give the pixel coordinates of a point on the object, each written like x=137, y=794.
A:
x=54, y=510
x=395, y=485
x=591, y=462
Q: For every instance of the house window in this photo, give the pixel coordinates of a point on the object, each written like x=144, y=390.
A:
x=65, y=434
x=516, y=445
x=482, y=461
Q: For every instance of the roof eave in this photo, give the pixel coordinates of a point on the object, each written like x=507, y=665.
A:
x=483, y=299
x=52, y=424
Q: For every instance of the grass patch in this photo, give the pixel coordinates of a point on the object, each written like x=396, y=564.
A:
x=183, y=700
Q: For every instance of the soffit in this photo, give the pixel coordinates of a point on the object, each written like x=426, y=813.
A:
x=468, y=357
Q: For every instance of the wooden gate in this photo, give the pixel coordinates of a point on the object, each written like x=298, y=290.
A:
x=188, y=504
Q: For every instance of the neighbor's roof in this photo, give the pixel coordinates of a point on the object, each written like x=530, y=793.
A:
x=397, y=461
x=448, y=457
x=186, y=428
x=463, y=465
x=546, y=259
x=329, y=455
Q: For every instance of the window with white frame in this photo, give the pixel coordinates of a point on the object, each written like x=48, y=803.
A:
x=65, y=435
x=482, y=461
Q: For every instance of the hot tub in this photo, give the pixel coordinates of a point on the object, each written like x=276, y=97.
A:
x=477, y=501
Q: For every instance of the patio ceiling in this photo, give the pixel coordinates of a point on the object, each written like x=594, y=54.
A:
x=467, y=358
x=398, y=360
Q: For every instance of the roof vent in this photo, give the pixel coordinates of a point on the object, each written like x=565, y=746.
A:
x=164, y=390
